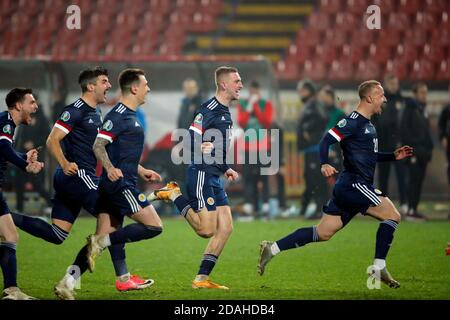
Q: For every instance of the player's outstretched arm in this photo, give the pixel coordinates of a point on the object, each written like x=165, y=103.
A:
x=328, y=170
x=114, y=174
x=148, y=175
x=54, y=146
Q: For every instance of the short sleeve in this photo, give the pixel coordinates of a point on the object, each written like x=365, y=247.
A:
x=68, y=119
x=201, y=123
x=342, y=130
x=7, y=132
x=112, y=127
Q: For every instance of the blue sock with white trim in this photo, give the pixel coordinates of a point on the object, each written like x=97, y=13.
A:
x=8, y=263
x=385, y=235
x=39, y=228
x=298, y=238
x=207, y=264
x=182, y=205
x=134, y=232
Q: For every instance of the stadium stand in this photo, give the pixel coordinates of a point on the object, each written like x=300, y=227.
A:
x=302, y=38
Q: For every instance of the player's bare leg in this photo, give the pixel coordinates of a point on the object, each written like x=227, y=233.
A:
x=327, y=227
x=390, y=218
x=214, y=249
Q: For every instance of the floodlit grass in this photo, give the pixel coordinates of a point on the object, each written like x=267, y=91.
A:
x=333, y=270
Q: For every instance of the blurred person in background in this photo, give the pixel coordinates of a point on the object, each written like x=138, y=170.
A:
x=327, y=97
x=415, y=132
x=311, y=127
x=255, y=113
x=444, y=135
x=388, y=129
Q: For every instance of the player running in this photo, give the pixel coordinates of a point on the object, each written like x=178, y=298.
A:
x=206, y=207
x=353, y=192
x=21, y=105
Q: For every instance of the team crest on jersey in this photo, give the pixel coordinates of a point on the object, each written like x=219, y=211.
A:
x=210, y=201
x=141, y=197
x=342, y=123
x=65, y=116
x=108, y=125
x=7, y=129
x=199, y=118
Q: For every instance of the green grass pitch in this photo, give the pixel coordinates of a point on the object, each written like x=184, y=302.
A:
x=333, y=270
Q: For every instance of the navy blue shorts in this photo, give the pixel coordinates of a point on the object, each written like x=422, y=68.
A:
x=73, y=193
x=125, y=202
x=4, y=209
x=205, y=190
x=350, y=199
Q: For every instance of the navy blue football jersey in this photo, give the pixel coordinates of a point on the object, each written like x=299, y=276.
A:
x=126, y=136
x=81, y=123
x=8, y=127
x=359, y=143
x=212, y=123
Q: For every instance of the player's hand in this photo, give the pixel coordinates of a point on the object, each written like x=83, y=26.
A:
x=207, y=147
x=114, y=174
x=70, y=169
x=150, y=175
x=231, y=175
x=403, y=152
x=32, y=155
x=444, y=142
x=34, y=167
x=328, y=170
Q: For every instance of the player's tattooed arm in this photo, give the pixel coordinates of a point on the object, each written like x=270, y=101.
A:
x=114, y=174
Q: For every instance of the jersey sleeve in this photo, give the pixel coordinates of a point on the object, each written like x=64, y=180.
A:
x=342, y=130
x=201, y=123
x=6, y=147
x=68, y=119
x=7, y=132
x=112, y=127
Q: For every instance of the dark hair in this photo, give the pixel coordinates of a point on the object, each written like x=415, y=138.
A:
x=365, y=87
x=89, y=76
x=128, y=77
x=328, y=90
x=254, y=84
x=308, y=84
x=16, y=95
x=416, y=86
x=221, y=71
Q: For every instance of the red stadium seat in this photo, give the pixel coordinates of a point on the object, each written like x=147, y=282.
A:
x=436, y=6
x=380, y=54
x=406, y=52
x=422, y=70
x=308, y=37
x=444, y=21
x=391, y=37
x=425, y=21
x=443, y=73
x=203, y=22
x=287, y=70
x=336, y=37
x=417, y=37
x=345, y=21
x=440, y=37
x=409, y=6
x=398, y=67
x=327, y=53
x=330, y=6
x=368, y=70
x=7, y=7
x=299, y=54
x=363, y=37
x=315, y=70
x=341, y=70
x=160, y=7
x=386, y=5
x=435, y=54
x=353, y=53
x=399, y=21
x=319, y=21
x=357, y=7
x=126, y=21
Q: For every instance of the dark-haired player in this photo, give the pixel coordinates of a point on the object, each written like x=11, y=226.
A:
x=21, y=105
x=353, y=192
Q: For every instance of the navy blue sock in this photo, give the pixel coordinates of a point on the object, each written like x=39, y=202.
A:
x=182, y=205
x=80, y=262
x=385, y=234
x=118, y=258
x=298, y=238
x=134, y=232
x=8, y=262
x=39, y=228
x=207, y=264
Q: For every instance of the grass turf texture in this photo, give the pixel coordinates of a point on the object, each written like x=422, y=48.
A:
x=333, y=270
